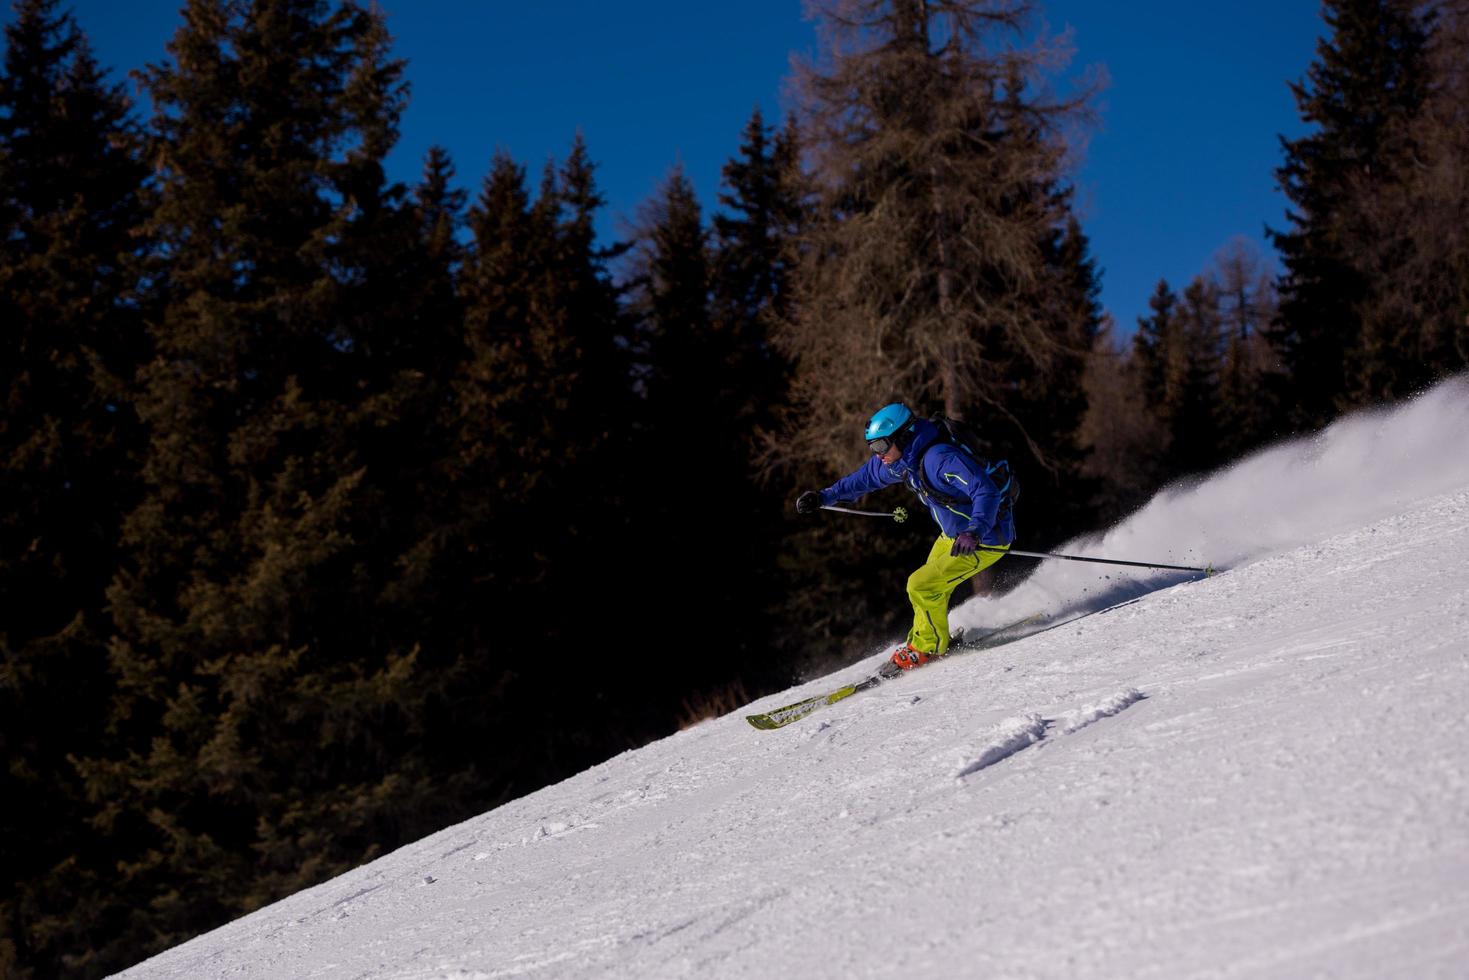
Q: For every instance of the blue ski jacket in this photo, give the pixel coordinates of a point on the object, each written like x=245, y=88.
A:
x=949, y=469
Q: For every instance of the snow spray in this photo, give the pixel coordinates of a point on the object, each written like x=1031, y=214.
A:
x=1366, y=466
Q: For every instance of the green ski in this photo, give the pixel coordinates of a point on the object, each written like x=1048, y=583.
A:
x=780, y=717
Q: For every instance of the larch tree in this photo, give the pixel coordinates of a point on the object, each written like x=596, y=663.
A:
x=1249, y=376
x=928, y=271
x=936, y=151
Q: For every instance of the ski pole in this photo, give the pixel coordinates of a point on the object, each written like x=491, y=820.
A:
x=1101, y=561
x=899, y=514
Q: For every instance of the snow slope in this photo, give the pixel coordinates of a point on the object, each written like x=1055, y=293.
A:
x=1260, y=774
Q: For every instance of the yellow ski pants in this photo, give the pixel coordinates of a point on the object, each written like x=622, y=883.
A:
x=931, y=585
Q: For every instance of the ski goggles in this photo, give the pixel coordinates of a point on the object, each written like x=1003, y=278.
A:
x=880, y=446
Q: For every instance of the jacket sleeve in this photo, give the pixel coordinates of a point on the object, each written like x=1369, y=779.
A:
x=958, y=474
x=871, y=475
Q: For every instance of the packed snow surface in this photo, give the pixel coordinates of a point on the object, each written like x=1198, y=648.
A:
x=1260, y=774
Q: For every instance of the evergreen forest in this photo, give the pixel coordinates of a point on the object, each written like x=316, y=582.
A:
x=325, y=498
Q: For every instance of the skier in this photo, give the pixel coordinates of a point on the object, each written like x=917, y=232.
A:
x=965, y=503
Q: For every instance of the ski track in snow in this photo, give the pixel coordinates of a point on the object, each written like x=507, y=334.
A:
x=1260, y=774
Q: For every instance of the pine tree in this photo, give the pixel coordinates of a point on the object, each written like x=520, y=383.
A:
x=755, y=249
x=1414, y=247
x=592, y=302
x=479, y=558
x=1369, y=76
x=411, y=324
x=496, y=398
x=1155, y=347
x=1177, y=352
x=691, y=403
x=676, y=320
x=266, y=718
x=71, y=200
x=1191, y=381
x=543, y=420
x=764, y=202
x=1050, y=407
x=1155, y=334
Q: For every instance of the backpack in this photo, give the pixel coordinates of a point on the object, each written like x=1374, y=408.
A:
x=957, y=432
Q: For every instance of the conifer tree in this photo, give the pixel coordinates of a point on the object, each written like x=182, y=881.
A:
x=1193, y=389
x=71, y=200
x=1155, y=337
x=754, y=253
x=478, y=557
x=1049, y=407
x=409, y=321
x=1121, y=435
x=1156, y=346
x=1191, y=381
x=675, y=307
x=691, y=404
x=1248, y=379
x=592, y=298
x=543, y=310
x=411, y=326
x=542, y=414
x=264, y=725
x=1369, y=77
x=1177, y=350
x=756, y=238
x=593, y=315
x=934, y=169
x=1415, y=241
x=496, y=398
x=938, y=162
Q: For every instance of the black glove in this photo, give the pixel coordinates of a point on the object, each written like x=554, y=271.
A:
x=808, y=502
x=967, y=543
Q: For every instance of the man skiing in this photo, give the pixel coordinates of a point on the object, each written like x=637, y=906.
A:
x=962, y=499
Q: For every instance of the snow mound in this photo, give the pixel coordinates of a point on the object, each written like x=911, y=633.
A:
x=1075, y=721
x=1012, y=735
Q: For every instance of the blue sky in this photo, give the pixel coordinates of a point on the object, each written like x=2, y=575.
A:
x=1181, y=161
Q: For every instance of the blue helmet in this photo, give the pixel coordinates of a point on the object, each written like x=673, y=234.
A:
x=889, y=420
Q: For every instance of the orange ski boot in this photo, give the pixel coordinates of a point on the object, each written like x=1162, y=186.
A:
x=907, y=656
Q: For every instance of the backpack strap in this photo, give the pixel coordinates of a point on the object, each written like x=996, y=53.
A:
x=1009, y=490
x=933, y=491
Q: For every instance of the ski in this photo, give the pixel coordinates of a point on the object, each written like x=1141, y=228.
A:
x=780, y=717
